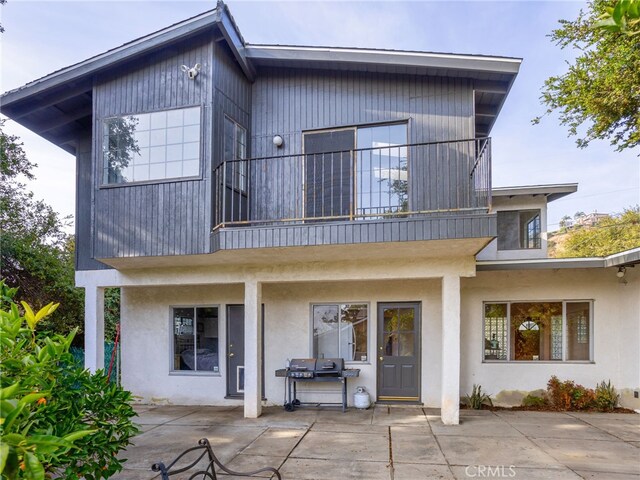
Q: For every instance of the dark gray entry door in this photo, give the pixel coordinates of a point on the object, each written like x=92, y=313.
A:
x=329, y=173
x=399, y=351
x=235, y=350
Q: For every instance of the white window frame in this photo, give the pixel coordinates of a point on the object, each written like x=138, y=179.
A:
x=339, y=304
x=103, y=121
x=240, y=179
x=202, y=373
x=565, y=340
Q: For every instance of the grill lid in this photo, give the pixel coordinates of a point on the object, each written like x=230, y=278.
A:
x=302, y=364
x=320, y=366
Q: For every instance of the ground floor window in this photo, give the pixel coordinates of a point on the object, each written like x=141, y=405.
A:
x=537, y=331
x=195, y=339
x=340, y=331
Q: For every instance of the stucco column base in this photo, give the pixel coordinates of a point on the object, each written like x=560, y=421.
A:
x=93, y=328
x=450, y=403
x=252, y=349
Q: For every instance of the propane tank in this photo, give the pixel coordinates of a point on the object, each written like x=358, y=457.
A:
x=361, y=398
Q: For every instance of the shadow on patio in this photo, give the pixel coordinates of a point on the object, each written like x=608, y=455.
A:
x=394, y=443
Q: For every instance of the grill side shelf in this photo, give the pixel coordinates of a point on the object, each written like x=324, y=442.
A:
x=351, y=372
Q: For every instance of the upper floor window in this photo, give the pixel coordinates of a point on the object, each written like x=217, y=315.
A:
x=519, y=229
x=235, y=154
x=151, y=146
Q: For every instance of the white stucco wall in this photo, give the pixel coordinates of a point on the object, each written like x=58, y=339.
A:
x=616, y=330
x=146, y=333
x=146, y=344
x=146, y=336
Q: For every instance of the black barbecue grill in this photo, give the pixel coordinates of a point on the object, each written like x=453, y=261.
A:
x=314, y=370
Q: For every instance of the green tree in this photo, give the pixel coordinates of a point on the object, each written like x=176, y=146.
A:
x=608, y=236
x=601, y=89
x=2, y=2
x=37, y=254
x=565, y=222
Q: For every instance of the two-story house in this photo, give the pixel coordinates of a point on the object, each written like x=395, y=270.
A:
x=258, y=203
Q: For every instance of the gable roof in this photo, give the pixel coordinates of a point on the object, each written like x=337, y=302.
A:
x=58, y=106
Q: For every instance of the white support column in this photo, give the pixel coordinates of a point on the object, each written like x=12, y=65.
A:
x=252, y=349
x=450, y=404
x=93, y=328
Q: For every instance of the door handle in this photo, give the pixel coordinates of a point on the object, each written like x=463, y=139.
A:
x=232, y=354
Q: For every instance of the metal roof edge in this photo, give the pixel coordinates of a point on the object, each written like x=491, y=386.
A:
x=553, y=191
x=507, y=65
x=626, y=257
x=232, y=35
x=540, y=264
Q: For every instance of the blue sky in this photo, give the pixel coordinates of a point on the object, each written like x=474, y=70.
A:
x=43, y=36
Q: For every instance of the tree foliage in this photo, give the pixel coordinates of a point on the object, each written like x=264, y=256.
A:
x=623, y=17
x=608, y=236
x=56, y=418
x=37, y=254
x=601, y=89
x=2, y=2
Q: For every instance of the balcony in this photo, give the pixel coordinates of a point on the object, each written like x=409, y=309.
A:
x=413, y=192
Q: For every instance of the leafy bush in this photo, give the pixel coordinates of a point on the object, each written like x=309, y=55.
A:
x=56, y=417
x=606, y=396
x=534, y=401
x=568, y=395
x=478, y=398
x=78, y=398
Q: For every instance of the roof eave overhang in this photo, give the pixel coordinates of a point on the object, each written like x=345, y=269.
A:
x=552, y=192
x=539, y=264
x=113, y=57
x=626, y=258
x=233, y=37
x=266, y=54
x=76, y=81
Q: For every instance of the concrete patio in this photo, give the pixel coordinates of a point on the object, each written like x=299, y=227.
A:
x=395, y=443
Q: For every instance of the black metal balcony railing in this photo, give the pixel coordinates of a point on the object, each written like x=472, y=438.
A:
x=360, y=184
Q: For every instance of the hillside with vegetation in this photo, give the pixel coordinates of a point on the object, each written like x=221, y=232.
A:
x=607, y=236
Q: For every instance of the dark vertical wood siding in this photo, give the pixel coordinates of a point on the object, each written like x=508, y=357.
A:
x=289, y=101
x=84, y=201
x=232, y=98
x=426, y=227
x=168, y=218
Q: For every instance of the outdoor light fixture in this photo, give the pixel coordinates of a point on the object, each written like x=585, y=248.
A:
x=621, y=272
x=278, y=141
x=192, y=72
